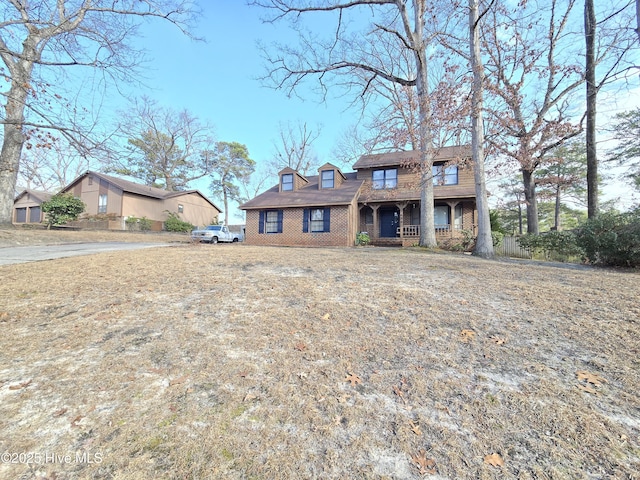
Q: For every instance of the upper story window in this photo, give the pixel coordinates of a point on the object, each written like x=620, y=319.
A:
x=445, y=175
x=328, y=178
x=287, y=182
x=102, y=203
x=385, y=178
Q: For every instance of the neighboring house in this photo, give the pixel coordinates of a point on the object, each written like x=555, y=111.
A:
x=381, y=198
x=111, y=200
x=27, y=207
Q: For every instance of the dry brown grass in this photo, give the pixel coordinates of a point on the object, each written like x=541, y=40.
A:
x=233, y=361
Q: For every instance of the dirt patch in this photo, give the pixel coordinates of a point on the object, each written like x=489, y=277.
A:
x=231, y=361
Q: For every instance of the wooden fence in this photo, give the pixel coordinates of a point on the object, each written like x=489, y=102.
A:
x=511, y=248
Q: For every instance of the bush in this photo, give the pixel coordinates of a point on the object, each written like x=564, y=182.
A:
x=363, y=238
x=611, y=239
x=174, y=224
x=560, y=246
x=62, y=208
x=138, y=224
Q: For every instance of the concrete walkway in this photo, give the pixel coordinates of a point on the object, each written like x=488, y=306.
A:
x=36, y=253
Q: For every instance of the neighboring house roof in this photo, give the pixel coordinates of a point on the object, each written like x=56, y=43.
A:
x=308, y=196
x=411, y=157
x=36, y=194
x=138, y=189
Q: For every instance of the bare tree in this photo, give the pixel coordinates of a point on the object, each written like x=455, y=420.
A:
x=354, y=60
x=532, y=74
x=51, y=166
x=484, y=241
x=38, y=39
x=166, y=148
x=295, y=148
x=608, y=42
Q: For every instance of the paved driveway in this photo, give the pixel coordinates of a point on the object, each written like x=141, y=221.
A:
x=35, y=253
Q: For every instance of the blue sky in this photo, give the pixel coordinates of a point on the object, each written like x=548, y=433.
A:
x=216, y=80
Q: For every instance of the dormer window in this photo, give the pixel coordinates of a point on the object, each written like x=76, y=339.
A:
x=328, y=177
x=287, y=182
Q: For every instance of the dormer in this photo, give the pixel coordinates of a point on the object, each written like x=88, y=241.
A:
x=330, y=176
x=290, y=180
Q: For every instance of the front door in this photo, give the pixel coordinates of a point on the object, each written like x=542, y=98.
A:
x=389, y=221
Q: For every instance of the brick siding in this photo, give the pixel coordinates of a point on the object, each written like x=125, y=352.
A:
x=292, y=234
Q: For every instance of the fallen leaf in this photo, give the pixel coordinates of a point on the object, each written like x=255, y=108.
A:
x=249, y=397
x=4, y=316
x=425, y=465
x=178, y=381
x=494, y=460
x=326, y=316
x=74, y=422
x=300, y=346
x=467, y=335
x=353, y=379
x=588, y=389
x=415, y=428
x=584, y=376
x=399, y=393
x=59, y=413
x=498, y=340
x=20, y=385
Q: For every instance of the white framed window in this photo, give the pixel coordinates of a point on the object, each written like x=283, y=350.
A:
x=287, y=182
x=328, y=179
x=317, y=219
x=102, y=203
x=271, y=222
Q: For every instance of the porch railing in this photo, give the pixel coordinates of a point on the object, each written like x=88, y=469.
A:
x=442, y=230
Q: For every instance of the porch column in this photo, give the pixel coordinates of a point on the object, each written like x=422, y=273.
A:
x=452, y=217
x=401, y=206
x=376, y=222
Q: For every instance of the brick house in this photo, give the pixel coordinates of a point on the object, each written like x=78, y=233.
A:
x=382, y=198
x=111, y=200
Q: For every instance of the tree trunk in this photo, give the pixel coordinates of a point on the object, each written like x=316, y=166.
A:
x=427, y=219
x=556, y=225
x=592, y=92
x=484, y=241
x=531, y=201
x=14, y=137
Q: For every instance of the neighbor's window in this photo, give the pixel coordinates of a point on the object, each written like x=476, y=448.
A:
x=385, y=178
x=445, y=175
x=328, y=179
x=102, y=203
x=287, y=182
x=180, y=208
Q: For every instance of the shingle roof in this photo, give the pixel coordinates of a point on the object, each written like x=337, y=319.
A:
x=38, y=195
x=138, y=189
x=308, y=196
x=410, y=157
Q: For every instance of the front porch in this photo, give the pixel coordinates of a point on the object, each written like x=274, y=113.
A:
x=398, y=224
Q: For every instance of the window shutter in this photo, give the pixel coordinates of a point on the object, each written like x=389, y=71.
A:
x=326, y=219
x=305, y=220
x=280, y=215
x=261, y=222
